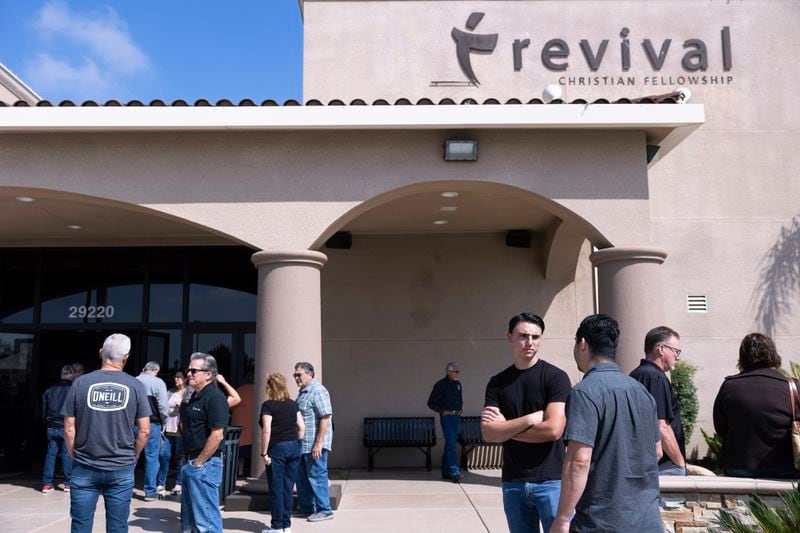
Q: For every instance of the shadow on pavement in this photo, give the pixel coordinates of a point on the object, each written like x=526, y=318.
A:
x=154, y=519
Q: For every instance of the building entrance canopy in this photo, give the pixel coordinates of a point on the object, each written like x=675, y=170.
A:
x=284, y=179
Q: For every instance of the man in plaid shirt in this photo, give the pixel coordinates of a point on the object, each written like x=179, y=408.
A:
x=314, y=403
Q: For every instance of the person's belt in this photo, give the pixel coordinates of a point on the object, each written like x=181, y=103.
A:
x=191, y=456
x=451, y=412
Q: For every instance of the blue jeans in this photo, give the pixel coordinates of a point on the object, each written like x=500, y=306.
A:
x=671, y=470
x=526, y=504
x=172, y=447
x=200, y=497
x=164, y=456
x=450, y=427
x=151, y=465
x=55, y=448
x=312, y=484
x=282, y=474
x=88, y=484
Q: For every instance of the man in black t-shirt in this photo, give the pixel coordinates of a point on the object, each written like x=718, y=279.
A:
x=203, y=420
x=662, y=350
x=524, y=409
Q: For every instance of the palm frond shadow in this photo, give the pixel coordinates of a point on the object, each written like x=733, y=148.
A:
x=779, y=279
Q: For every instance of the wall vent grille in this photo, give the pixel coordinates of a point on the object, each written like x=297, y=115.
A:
x=696, y=303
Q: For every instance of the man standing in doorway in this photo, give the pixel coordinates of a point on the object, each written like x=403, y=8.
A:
x=446, y=400
x=99, y=412
x=52, y=405
x=662, y=350
x=314, y=403
x=524, y=409
x=203, y=419
x=610, y=477
x=159, y=404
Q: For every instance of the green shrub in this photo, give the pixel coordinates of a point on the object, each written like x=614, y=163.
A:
x=769, y=520
x=714, y=443
x=686, y=391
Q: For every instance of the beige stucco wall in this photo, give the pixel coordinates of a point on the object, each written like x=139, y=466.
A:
x=718, y=203
x=289, y=189
x=397, y=308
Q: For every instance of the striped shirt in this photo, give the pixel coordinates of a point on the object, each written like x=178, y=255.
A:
x=315, y=402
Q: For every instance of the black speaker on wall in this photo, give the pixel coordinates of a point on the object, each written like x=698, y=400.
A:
x=518, y=238
x=342, y=240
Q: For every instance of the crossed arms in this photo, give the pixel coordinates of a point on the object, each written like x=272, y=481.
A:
x=541, y=426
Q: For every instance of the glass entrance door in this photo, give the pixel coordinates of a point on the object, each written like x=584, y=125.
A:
x=233, y=348
x=16, y=411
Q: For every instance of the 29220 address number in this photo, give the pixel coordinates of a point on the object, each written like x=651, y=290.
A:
x=91, y=311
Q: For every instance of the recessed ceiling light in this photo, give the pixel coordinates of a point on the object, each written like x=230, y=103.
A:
x=449, y=208
x=440, y=222
x=74, y=226
x=449, y=194
x=25, y=199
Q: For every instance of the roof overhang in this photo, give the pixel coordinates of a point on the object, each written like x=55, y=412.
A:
x=664, y=125
x=17, y=87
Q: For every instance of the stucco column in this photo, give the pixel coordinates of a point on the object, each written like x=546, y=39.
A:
x=629, y=288
x=288, y=323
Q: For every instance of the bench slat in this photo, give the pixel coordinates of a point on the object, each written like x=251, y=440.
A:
x=399, y=432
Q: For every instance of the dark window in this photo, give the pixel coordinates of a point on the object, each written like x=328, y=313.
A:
x=166, y=286
x=90, y=286
x=18, y=287
x=164, y=347
x=220, y=345
x=223, y=286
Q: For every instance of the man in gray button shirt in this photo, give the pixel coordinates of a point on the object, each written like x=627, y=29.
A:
x=610, y=474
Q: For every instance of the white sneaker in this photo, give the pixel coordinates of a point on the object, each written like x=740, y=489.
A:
x=287, y=530
x=270, y=530
x=177, y=490
x=160, y=489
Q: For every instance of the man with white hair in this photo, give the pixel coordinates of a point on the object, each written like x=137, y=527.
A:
x=159, y=404
x=99, y=412
x=446, y=400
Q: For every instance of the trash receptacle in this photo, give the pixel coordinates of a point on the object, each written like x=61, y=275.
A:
x=230, y=459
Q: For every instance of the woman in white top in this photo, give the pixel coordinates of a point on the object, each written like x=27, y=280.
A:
x=172, y=445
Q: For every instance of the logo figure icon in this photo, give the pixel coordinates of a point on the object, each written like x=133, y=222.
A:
x=466, y=43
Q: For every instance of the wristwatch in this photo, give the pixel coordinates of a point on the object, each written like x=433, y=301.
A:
x=263, y=454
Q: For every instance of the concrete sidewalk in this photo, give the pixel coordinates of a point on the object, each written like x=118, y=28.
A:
x=378, y=501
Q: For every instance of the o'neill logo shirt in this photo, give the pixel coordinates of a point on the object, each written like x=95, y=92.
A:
x=108, y=397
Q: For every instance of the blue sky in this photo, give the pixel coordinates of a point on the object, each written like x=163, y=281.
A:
x=148, y=49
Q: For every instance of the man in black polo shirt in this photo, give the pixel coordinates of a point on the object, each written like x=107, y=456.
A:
x=446, y=400
x=203, y=419
x=524, y=409
x=662, y=350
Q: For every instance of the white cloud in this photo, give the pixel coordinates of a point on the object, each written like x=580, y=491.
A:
x=50, y=75
x=108, y=54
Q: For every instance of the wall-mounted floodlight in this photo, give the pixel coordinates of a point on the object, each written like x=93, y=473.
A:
x=460, y=150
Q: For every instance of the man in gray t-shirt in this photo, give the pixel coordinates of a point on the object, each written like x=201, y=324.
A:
x=100, y=412
x=610, y=473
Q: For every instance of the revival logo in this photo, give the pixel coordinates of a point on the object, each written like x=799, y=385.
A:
x=466, y=43
x=693, y=65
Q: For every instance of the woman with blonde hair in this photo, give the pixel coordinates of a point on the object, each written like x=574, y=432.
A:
x=282, y=430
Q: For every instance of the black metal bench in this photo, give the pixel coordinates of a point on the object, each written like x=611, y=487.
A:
x=470, y=437
x=399, y=432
